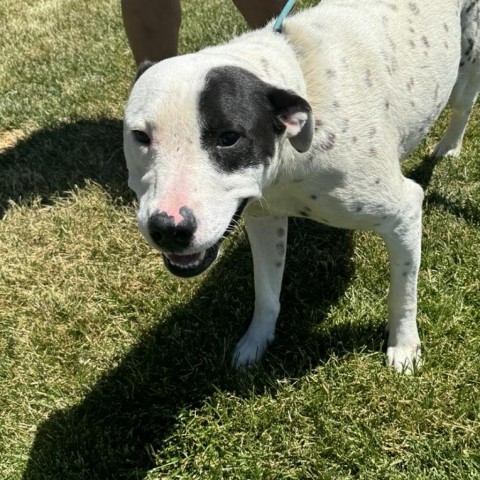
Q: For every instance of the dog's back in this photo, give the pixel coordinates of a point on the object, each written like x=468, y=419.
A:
x=407, y=54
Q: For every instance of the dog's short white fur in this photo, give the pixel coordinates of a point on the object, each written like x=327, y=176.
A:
x=376, y=74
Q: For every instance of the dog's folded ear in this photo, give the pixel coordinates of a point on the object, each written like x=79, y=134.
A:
x=293, y=115
x=142, y=68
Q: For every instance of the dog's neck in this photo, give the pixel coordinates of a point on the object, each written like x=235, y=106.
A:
x=267, y=54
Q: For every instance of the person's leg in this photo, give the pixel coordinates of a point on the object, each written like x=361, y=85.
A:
x=152, y=28
x=258, y=12
x=152, y=25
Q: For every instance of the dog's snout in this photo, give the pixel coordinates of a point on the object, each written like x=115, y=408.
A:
x=171, y=236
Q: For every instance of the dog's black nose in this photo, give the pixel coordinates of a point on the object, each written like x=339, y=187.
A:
x=171, y=236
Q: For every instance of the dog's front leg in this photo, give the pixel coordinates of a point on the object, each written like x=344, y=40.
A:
x=268, y=241
x=403, y=241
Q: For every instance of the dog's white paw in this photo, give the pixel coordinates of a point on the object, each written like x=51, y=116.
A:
x=445, y=149
x=404, y=359
x=250, y=348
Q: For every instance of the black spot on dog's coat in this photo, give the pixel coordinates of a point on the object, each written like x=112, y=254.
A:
x=328, y=142
x=368, y=78
x=414, y=8
x=265, y=65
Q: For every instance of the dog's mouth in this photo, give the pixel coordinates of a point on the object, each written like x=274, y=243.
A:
x=193, y=264
x=190, y=265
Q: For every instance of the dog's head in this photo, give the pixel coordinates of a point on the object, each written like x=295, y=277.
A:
x=200, y=140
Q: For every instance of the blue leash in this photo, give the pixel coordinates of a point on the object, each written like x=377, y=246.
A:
x=277, y=27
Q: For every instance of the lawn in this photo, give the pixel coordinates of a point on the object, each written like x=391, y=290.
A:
x=110, y=368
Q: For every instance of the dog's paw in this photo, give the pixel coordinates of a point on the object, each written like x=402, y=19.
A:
x=404, y=359
x=444, y=149
x=250, y=349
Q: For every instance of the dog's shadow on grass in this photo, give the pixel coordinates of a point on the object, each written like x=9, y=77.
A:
x=52, y=161
x=129, y=413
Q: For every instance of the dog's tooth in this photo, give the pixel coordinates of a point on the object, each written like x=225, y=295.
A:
x=186, y=265
x=185, y=261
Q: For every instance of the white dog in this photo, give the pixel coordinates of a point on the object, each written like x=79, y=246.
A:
x=312, y=121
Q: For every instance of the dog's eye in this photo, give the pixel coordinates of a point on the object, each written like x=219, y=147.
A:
x=228, y=139
x=141, y=137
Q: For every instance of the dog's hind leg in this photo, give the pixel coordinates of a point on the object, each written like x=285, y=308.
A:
x=465, y=91
x=268, y=241
x=402, y=235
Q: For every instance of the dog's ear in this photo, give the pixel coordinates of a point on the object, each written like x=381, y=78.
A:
x=142, y=68
x=293, y=115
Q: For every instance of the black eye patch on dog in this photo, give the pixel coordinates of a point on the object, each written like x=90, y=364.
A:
x=235, y=101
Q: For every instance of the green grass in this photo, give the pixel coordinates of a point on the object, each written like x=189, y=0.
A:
x=110, y=368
